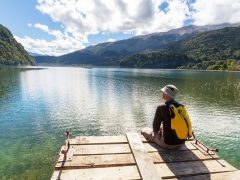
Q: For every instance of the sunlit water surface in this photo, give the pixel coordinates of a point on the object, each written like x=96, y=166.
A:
x=38, y=105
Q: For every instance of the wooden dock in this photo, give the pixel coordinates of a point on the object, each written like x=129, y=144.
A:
x=132, y=157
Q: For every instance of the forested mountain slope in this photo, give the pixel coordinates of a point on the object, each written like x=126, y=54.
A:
x=12, y=52
x=216, y=50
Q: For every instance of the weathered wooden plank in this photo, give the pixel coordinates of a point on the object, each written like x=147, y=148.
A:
x=153, y=147
x=87, y=140
x=69, y=154
x=215, y=176
x=98, y=140
x=119, y=148
x=180, y=156
x=173, y=170
x=127, y=159
x=81, y=140
x=101, y=149
x=144, y=162
x=93, y=161
x=109, y=173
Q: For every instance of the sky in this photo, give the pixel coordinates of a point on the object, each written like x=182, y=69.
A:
x=56, y=27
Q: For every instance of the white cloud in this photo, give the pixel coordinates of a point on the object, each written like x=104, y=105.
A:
x=62, y=44
x=178, y=12
x=56, y=33
x=111, y=40
x=216, y=12
x=55, y=47
x=94, y=16
x=80, y=18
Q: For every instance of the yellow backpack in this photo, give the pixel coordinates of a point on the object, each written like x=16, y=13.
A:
x=180, y=122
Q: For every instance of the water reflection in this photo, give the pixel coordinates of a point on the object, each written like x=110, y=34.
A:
x=8, y=84
x=100, y=98
x=38, y=106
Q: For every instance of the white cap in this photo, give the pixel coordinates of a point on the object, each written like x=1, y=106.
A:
x=170, y=90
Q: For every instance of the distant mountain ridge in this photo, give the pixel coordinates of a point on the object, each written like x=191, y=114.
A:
x=12, y=52
x=213, y=50
x=35, y=54
x=110, y=53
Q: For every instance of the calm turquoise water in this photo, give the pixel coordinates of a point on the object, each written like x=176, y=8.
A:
x=38, y=105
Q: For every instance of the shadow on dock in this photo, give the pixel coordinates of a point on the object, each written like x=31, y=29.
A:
x=180, y=163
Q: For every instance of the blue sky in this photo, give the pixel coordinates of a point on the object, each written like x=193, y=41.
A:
x=16, y=14
x=24, y=12
x=62, y=26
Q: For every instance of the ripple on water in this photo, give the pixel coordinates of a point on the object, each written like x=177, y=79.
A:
x=36, y=107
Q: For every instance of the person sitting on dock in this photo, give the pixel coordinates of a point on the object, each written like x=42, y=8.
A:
x=162, y=133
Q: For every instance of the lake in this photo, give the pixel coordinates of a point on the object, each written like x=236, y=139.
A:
x=37, y=105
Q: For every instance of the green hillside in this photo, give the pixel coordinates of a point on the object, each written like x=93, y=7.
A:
x=12, y=52
x=162, y=59
x=213, y=50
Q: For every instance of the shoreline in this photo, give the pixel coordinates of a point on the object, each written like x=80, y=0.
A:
x=41, y=66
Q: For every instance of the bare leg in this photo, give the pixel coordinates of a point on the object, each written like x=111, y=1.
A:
x=147, y=133
x=157, y=138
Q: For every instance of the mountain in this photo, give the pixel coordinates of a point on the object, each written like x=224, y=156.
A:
x=12, y=52
x=163, y=59
x=110, y=53
x=214, y=50
x=46, y=60
x=34, y=54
